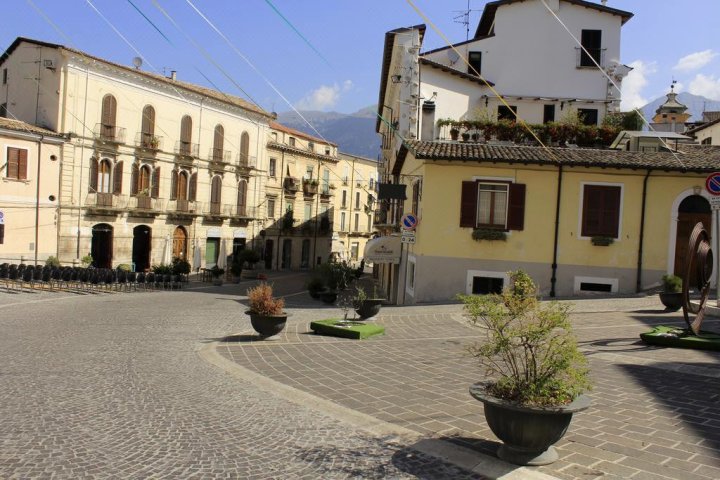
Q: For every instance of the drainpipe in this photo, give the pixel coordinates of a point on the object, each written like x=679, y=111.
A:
x=553, y=278
x=638, y=283
x=37, y=198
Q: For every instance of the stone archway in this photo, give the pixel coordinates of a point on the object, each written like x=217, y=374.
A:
x=692, y=209
x=101, y=246
x=142, y=247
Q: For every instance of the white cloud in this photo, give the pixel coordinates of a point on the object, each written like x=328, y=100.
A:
x=695, y=60
x=634, y=83
x=324, y=97
x=705, y=85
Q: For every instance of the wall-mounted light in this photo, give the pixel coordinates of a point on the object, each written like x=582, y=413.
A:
x=395, y=78
x=697, y=189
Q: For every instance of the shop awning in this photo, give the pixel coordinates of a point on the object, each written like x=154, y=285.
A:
x=383, y=250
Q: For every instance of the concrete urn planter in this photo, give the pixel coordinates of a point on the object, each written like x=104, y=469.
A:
x=267, y=325
x=528, y=433
x=672, y=300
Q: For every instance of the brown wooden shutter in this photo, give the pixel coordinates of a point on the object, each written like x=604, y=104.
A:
x=93, y=181
x=216, y=190
x=516, y=207
x=109, y=111
x=468, y=204
x=117, y=178
x=218, y=143
x=156, y=183
x=12, y=162
x=611, y=213
x=186, y=130
x=242, y=194
x=148, y=121
x=134, y=178
x=22, y=164
x=173, y=184
x=192, y=194
x=2, y=233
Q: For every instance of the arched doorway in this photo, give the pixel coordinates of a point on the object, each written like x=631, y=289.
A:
x=692, y=209
x=180, y=243
x=101, y=247
x=142, y=246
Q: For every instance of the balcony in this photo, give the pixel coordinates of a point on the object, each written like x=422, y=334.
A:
x=310, y=187
x=239, y=212
x=246, y=161
x=583, y=60
x=382, y=218
x=105, y=203
x=214, y=210
x=290, y=185
x=182, y=208
x=148, y=141
x=144, y=205
x=186, y=152
x=109, y=134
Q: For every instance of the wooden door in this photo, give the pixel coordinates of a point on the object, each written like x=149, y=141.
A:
x=692, y=210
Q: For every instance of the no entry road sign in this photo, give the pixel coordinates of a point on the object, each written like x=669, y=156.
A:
x=410, y=221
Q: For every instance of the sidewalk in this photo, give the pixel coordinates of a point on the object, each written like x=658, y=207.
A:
x=654, y=412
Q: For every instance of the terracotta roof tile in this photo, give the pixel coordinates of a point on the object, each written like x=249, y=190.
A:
x=701, y=158
x=19, y=126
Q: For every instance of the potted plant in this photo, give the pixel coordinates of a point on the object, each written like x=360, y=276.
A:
x=266, y=312
x=454, y=133
x=602, y=240
x=537, y=373
x=217, y=274
x=314, y=286
x=367, y=307
x=236, y=267
x=671, y=296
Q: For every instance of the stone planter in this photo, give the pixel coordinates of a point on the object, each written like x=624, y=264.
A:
x=267, y=325
x=368, y=308
x=328, y=296
x=672, y=300
x=528, y=433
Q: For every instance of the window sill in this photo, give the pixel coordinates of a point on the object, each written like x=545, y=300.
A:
x=17, y=180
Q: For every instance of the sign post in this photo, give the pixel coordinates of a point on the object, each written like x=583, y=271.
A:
x=712, y=185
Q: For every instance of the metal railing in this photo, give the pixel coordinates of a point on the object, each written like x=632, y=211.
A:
x=246, y=161
x=148, y=140
x=187, y=149
x=182, y=206
x=145, y=202
x=219, y=155
x=109, y=133
x=106, y=201
x=239, y=211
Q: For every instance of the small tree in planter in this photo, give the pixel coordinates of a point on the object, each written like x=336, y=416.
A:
x=538, y=374
x=266, y=312
x=671, y=296
x=367, y=306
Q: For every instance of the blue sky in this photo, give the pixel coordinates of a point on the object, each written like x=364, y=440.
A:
x=335, y=65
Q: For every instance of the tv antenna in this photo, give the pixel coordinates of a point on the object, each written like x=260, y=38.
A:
x=137, y=61
x=463, y=17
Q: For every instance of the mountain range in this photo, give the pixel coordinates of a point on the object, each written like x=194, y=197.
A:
x=354, y=133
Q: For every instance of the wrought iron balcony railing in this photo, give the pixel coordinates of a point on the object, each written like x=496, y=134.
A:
x=109, y=133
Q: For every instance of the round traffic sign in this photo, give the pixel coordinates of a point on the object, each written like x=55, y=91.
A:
x=712, y=183
x=410, y=221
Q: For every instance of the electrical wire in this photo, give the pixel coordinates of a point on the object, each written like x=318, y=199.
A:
x=294, y=29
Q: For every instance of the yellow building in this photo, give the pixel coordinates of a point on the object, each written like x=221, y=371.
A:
x=29, y=179
x=577, y=220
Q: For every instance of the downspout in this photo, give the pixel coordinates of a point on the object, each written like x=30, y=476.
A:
x=37, y=199
x=638, y=283
x=553, y=278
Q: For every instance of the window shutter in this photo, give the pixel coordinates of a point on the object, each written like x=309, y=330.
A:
x=134, y=178
x=156, y=183
x=173, y=185
x=516, y=207
x=611, y=215
x=468, y=204
x=12, y=162
x=192, y=193
x=117, y=178
x=93, y=182
x=22, y=164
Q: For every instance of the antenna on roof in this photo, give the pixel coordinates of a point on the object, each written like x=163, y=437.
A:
x=464, y=18
x=137, y=61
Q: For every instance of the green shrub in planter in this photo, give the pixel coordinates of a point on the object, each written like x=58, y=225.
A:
x=479, y=234
x=672, y=283
x=52, y=261
x=124, y=267
x=180, y=266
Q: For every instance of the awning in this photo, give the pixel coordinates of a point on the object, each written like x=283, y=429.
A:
x=382, y=250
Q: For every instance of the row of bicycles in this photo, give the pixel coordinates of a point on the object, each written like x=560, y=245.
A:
x=45, y=277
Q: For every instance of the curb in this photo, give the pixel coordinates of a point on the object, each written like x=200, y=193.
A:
x=459, y=456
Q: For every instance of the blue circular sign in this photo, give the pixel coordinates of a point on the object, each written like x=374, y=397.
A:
x=408, y=221
x=712, y=183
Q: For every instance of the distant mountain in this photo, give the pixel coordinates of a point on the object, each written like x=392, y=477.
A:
x=354, y=133
x=696, y=105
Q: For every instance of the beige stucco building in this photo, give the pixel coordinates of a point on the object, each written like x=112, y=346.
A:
x=29, y=182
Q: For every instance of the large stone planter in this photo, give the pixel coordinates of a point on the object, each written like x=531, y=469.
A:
x=267, y=325
x=328, y=296
x=672, y=300
x=368, y=308
x=528, y=433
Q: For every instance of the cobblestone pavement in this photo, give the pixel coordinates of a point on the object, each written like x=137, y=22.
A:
x=110, y=385
x=654, y=414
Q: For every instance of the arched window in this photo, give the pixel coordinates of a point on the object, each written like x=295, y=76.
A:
x=244, y=149
x=186, y=135
x=242, y=198
x=182, y=186
x=103, y=179
x=218, y=143
x=147, y=129
x=215, y=194
x=108, y=117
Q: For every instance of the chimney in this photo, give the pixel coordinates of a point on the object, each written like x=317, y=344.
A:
x=173, y=75
x=604, y=2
